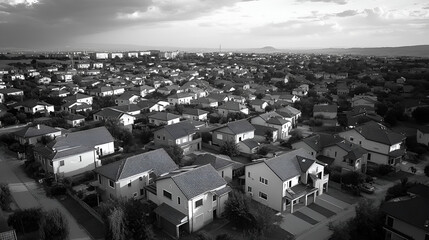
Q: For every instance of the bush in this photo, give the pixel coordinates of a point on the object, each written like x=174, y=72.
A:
x=57, y=190
x=25, y=220
x=263, y=151
x=384, y=169
x=336, y=177
x=54, y=225
x=91, y=200
x=5, y=197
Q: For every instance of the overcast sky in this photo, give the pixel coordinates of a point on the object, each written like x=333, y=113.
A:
x=287, y=24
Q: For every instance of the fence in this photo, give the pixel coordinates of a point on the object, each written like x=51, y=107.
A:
x=86, y=206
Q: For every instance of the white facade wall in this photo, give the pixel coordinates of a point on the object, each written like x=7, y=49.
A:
x=422, y=138
x=105, y=149
x=76, y=164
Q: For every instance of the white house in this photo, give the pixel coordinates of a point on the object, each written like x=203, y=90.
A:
x=180, y=98
x=285, y=180
x=188, y=199
x=163, y=118
x=126, y=179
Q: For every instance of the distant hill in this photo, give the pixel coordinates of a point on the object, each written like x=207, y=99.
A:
x=416, y=51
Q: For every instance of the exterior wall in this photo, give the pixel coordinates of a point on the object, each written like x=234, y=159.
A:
x=273, y=189
x=243, y=136
x=34, y=140
x=317, y=168
x=76, y=164
x=307, y=148
x=108, y=191
x=245, y=149
x=162, y=122
x=226, y=173
x=202, y=117
x=334, y=152
x=408, y=229
x=127, y=120
x=136, y=189
x=422, y=138
x=325, y=115
x=105, y=149
x=362, y=102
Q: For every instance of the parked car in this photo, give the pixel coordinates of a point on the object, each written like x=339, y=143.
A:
x=367, y=188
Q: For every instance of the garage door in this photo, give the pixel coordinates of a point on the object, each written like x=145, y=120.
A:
x=198, y=222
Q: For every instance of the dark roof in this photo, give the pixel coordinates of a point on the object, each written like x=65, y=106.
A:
x=325, y=108
x=235, y=106
x=414, y=211
x=421, y=190
x=126, y=108
x=423, y=129
x=90, y=138
x=240, y=126
x=261, y=130
x=77, y=97
x=194, y=111
x=290, y=164
x=277, y=121
x=171, y=214
x=157, y=161
x=164, y=116
x=109, y=113
x=379, y=133
x=321, y=140
x=38, y=130
x=198, y=181
x=180, y=129
x=250, y=143
x=217, y=161
x=74, y=117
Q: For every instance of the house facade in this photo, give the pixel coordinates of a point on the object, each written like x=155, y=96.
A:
x=181, y=134
x=236, y=132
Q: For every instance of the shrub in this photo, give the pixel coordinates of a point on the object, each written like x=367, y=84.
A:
x=263, y=151
x=5, y=197
x=91, y=200
x=57, y=190
x=384, y=169
x=54, y=225
x=25, y=220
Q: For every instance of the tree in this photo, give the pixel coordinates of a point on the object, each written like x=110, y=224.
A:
x=5, y=196
x=230, y=148
x=176, y=153
x=269, y=108
x=116, y=225
x=421, y=115
x=268, y=136
x=146, y=135
x=54, y=225
x=137, y=220
x=26, y=220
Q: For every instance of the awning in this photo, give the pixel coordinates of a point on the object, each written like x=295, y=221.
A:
x=170, y=214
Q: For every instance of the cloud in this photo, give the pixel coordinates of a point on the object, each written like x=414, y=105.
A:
x=297, y=28
x=347, y=13
x=28, y=23
x=341, y=2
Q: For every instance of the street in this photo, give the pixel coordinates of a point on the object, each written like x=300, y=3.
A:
x=27, y=193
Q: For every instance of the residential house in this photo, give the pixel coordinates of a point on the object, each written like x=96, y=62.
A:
x=248, y=147
x=205, y=102
x=407, y=217
x=383, y=145
x=223, y=164
x=188, y=199
x=334, y=150
x=301, y=91
x=33, y=106
x=10, y=92
x=127, y=98
x=262, y=133
x=290, y=113
x=127, y=178
x=32, y=134
x=195, y=114
x=364, y=100
x=259, y=105
x=232, y=107
x=150, y=106
x=327, y=113
x=81, y=98
x=288, y=98
x=181, y=134
x=74, y=120
x=180, y=98
x=236, y=132
x=423, y=135
x=124, y=119
x=107, y=91
x=362, y=114
x=163, y=118
x=145, y=90
x=76, y=107
x=43, y=80
x=286, y=180
x=274, y=120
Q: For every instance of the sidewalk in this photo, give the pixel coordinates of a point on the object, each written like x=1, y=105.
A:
x=27, y=193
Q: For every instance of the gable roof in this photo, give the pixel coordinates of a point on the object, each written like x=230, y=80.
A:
x=180, y=129
x=90, y=138
x=194, y=111
x=217, y=161
x=164, y=116
x=157, y=161
x=198, y=181
x=235, y=106
x=237, y=127
x=34, y=131
x=290, y=164
x=379, y=133
x=325, y=108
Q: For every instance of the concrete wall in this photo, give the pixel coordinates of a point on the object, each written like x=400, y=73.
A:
x=76, y=164
x=422, y=138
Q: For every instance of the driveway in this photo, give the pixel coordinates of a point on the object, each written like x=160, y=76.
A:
x=305, y=218
x=29, y=194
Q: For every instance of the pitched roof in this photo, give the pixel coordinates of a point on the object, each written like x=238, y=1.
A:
x=109, y=113
x=77, y=97
x=237, y=127
x=250, y=143
x=194, y=111
x=379, y=133
x=63, y=151
x=414, y=211
x=321, y=140
x=325, y=108
x=235, y=106
x=157, y=161
x=290, y=164
x=164, y=116
x=198, y=181
x=180, y=129
x=217, y=161
x=268, y=115
x=34, y=131
x=90, y=138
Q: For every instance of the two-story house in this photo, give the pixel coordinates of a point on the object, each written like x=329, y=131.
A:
x=223, y=165
x=188, y=199
x=195, y=114
x=383, y=145
x=181, y=134
x=163, y=118
x=32, y=134
x=126, y=179
x=236, y=132
x=259, y=105
x=232, y=107
x=283, y=181
x=274, y=120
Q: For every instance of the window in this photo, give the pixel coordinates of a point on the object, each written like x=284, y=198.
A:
x=159, y=137
x=199, y=203
x=62, y=163
x=263, y=180
x=80, y=158
x=263, y=195
x=360, y=142
x=141, y=192
x=369, y=156
x=111, y=184
x=335, y=154
x=248, y=174
x=167, y=194
x=290, y=184
x=214, y=198
x=222, y=173
x=219, y=136
x=249, y=189
x=99, y=178
x=141, y=178
x=389, y=221
x=163, y=137
x=135, y=194
x=129, y=184
x=426, y=236
x=351, y=139
x=178, y=200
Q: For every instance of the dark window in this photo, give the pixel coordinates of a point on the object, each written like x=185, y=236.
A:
x=62, y=163
x=129, y=184
x=389, y=221
x=111, y=183
x=263, y=195
x=249, y=189
x=199, y=203
x=167, y=194
x=369, y=156
x=214, y=198
x=99, y=179
x=141, y=192
x=178, y=200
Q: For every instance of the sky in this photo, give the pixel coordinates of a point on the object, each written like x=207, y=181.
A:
x=283, y=24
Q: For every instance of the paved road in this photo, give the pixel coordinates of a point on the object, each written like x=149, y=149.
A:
x=28, y=194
